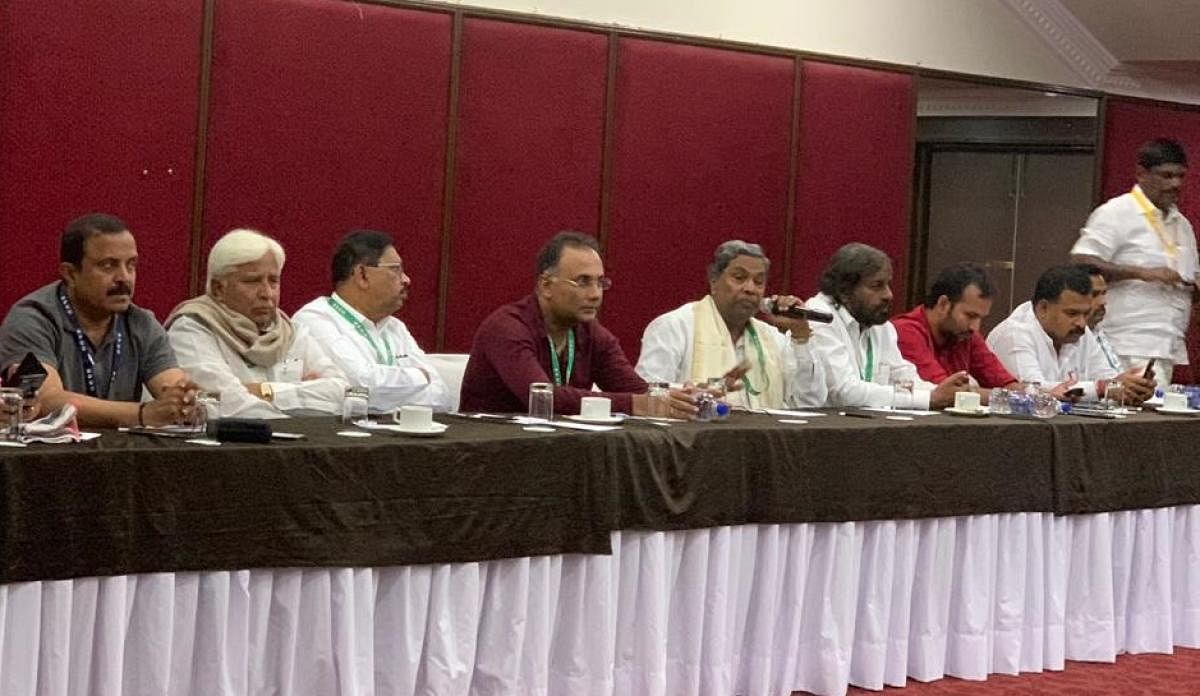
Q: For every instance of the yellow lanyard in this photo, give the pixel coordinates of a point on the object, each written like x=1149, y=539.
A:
x=1148, y=210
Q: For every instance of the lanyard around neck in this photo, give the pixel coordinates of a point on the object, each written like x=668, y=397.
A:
x=385, y=357
x=762, y=364
x=1148, y=211
x=868, y=371
x=558, y=375
x=87, y=356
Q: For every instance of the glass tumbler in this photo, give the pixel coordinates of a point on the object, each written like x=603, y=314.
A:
x=11, y=402
x=658, y=400
x=541, y=400
x=354, y=404
x=206, y=409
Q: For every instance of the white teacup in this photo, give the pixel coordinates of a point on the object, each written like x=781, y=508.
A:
x=595, y=407
x=966, y=401
x=1175, y=402
x=414, y=417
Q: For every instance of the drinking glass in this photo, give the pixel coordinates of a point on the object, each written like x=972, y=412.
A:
x=541, y=400
x=1114, y=393
x=11, y=401
x=354, y=404
x=206, y=409
x=658, y=400
x=998, y=401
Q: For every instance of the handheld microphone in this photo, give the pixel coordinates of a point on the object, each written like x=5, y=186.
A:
x=768, y=306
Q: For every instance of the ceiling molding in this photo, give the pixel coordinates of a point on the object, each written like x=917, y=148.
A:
x=1077, y=47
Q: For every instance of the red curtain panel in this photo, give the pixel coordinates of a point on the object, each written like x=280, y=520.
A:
x=328, y=116
x=529, y=145
x=98, y=112
x=854, y=178
x=700, y=155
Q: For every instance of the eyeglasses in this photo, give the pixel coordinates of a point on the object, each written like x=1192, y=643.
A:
x=587, y=282
x=396, y=267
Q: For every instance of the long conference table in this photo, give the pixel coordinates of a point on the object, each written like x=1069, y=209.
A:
x=740, y=557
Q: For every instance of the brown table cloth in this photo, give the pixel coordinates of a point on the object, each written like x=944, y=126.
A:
x=133, y=503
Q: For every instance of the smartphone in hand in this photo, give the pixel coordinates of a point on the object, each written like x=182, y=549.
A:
x=1149, y=372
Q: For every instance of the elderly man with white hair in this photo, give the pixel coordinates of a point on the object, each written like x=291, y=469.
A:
x=235, y=340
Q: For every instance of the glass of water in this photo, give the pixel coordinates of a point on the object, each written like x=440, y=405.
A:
x=541, y=400
x=998, y=401
x=11, y=402
x=1114, y=393
x=354, y=404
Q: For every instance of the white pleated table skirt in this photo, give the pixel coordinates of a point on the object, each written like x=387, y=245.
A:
x=755, y=609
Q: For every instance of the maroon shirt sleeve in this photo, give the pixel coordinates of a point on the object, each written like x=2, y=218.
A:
x=986, y=368
x=612, y=372
x=916, y=345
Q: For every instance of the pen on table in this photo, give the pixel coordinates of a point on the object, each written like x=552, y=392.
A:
x=855, y=414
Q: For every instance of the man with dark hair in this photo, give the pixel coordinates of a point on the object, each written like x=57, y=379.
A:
x=1147, y=252
x=859, y=352
x=356, y=327
x=553, y=336
x=767, y=364
x=1047, y=341
x=99, y=349
x=942, y=337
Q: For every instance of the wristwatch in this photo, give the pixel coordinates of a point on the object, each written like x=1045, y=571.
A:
x=268, y=394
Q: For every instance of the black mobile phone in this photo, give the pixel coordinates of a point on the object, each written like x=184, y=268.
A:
x=27, y=376
x=1149, y=372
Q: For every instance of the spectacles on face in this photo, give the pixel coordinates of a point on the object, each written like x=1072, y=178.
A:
x=396, y=267
x=587, y=282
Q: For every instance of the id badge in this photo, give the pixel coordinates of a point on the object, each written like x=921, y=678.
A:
x=290, y=370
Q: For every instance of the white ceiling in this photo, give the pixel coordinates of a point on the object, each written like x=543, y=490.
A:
x=1139, y=47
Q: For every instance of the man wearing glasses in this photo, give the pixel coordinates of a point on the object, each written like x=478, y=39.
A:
x=356, y=327
x=234, y=339
x=553, y=336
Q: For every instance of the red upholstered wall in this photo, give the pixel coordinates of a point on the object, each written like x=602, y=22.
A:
x=327, y=116
x=1127, y=125
x=855, y=168
x=98, y=108
x=530, y=141
x=700, y=156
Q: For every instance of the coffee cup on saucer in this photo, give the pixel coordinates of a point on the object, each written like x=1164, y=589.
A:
x=1174, y=401
x=966, y=401
x=595, y=408
x=414, y=417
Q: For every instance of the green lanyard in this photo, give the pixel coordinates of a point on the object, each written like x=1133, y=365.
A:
x=868, y=372
x=558, y=377
x=386, y=357
x=762, y=363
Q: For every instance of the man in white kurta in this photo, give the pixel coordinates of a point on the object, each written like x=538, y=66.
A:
x=1047, y=340
x=718, y=336
x=858, y=352
x=236, y=341
x=1147, y=251
x=356, y=327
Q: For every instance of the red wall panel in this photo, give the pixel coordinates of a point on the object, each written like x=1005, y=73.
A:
x=98, y=113
x=327, y=116
x=1127, y=126
x=854, y=177
x=701, y=155
x=529, y=145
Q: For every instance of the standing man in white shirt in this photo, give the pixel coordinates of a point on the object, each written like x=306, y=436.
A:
x=1147, y=251
x=357, y=329
x=768, y=363
x=1047, y=341
x=858, y=351
x=235, y=340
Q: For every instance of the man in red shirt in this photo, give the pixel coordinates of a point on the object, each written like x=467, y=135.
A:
x=942, y=336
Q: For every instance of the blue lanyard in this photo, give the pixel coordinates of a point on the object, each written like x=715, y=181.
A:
x=87, y=356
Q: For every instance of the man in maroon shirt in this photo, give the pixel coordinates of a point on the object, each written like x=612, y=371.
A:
x=553, y=336
x=942, y=337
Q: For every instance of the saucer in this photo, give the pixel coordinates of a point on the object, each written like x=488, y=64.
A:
x=610, y=420
x=981, y=412
x=1179, y=411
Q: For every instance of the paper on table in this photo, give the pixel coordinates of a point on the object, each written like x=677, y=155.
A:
x=905, y=411
x=791, y=414
x=573, y=425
